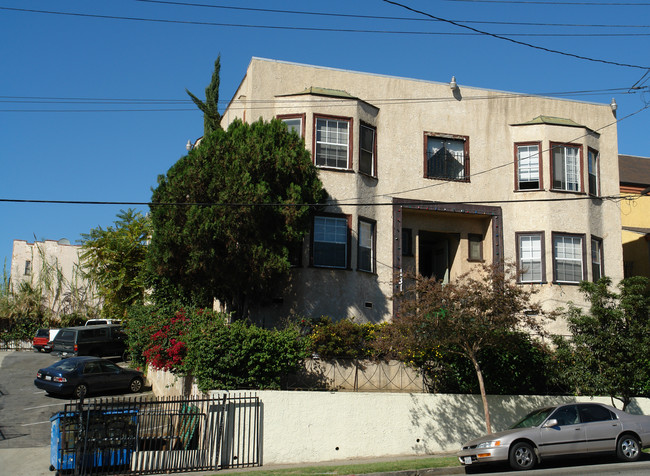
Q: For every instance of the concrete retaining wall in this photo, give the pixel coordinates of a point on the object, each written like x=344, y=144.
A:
x=306, y=427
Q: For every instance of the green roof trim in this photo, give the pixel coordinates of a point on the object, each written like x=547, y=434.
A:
x=554, y=121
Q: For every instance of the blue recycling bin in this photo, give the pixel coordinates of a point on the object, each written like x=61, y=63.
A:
x=107, y=438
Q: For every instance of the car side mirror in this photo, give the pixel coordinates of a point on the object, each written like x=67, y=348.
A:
x=550, y=423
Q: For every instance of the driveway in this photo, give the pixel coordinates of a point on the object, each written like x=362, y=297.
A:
x=25, y=413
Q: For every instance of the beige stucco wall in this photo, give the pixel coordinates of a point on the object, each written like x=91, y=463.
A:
x=404, y=109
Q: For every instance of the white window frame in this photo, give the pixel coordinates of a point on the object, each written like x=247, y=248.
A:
x=332, y=142
x=289, y=119
x=330, y=232
x=366, y=245
x=568, y=251
x=528, y=166
x=530, y=257
x=566, y=167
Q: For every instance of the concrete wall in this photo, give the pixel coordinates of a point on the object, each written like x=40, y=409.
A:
x=309, y=427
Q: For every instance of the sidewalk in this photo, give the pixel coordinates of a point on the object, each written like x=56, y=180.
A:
x=36, y=462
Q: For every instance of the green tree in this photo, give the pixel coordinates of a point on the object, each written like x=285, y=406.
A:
x=210, y=108
x=608, y=352
x=226, y=216
x=114, y=260
x=466, y=316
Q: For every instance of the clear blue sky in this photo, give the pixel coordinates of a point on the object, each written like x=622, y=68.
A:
x=113, y=52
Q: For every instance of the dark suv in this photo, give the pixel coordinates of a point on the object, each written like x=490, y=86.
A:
x=101, y=340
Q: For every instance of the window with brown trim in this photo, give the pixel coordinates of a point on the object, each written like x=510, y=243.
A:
x=366, y=246
x=294, y=122
x=368, y=149
x=566, y=167
x=596, y=258
x=446, y=157
x=332, y=142
x=528, y=166
x=530, y=257
x=568, y=258
x=593, y=170
x=331, y=241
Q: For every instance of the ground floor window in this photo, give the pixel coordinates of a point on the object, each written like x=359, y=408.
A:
x=530, y=257
x=330, y=242
x=568, y=258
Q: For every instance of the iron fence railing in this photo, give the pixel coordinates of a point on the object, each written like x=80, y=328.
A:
x=149, y=436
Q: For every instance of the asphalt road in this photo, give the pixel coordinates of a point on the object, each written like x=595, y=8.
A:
x=25, y=410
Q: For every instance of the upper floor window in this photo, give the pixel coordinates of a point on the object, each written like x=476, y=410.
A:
x=367, y=150
x=294, y=122
x=596, y=258
x=332, y=144
x=330, y=241
x=568, y=258
x=593, y=165
x=28, y=268
x=366, y=249
x=530, y=252
x=447, y=157
x=528, y=166
x=566, y=165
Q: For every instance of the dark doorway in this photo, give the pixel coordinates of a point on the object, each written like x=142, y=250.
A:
x=436, y=254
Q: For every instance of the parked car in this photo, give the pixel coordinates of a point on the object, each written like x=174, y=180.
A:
x=78, y=376
x=100, y=340
x=572, y=429
x=41, y=341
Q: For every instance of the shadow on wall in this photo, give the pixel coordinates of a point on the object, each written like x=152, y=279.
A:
x=455, y=418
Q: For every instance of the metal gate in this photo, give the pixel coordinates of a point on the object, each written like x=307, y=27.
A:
x=148, y=436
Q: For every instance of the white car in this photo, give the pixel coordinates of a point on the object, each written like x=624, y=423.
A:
x=572, y=429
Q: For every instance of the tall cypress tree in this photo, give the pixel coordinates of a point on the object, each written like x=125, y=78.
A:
x=211, y=116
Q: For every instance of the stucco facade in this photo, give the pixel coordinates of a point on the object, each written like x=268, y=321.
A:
x=433, y=179
x=54, y=265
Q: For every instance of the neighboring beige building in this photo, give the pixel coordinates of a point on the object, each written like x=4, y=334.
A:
x=436, y=177
x=635, y=214
x=54, y=266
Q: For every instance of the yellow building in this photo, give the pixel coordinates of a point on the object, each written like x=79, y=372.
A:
x=635, y=214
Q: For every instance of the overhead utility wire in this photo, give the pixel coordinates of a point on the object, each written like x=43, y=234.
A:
x=500, y=37
x=534, y=2
x=506, y=164
x=328, y=30
x=379, y=17
x=340, y=201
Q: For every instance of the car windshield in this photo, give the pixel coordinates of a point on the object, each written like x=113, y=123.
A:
x=534, y=418
x=64, y=365
x=43, y=333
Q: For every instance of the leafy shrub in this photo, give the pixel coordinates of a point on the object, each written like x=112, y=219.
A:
x=240, y=356
x=342, y=339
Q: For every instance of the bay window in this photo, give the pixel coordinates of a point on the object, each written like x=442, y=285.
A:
x=566, y=166
x=568, y=258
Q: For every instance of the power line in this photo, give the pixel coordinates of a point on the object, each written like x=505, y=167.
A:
x=379, y=17
x=327, y=30
x=501, y=37
x=535, y=2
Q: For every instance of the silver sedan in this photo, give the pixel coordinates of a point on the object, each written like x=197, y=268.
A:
x=573, y=429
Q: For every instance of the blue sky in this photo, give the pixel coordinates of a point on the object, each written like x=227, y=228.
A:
x=116, y=52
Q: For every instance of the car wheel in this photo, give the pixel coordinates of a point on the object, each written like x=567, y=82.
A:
x=136, y=385
x=522, y=456
x=627, y=448
x=80, y=390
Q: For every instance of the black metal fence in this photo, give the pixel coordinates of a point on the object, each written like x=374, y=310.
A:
x=149, y=436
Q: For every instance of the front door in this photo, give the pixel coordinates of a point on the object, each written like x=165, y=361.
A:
x=567, y=437
x=436, y=254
